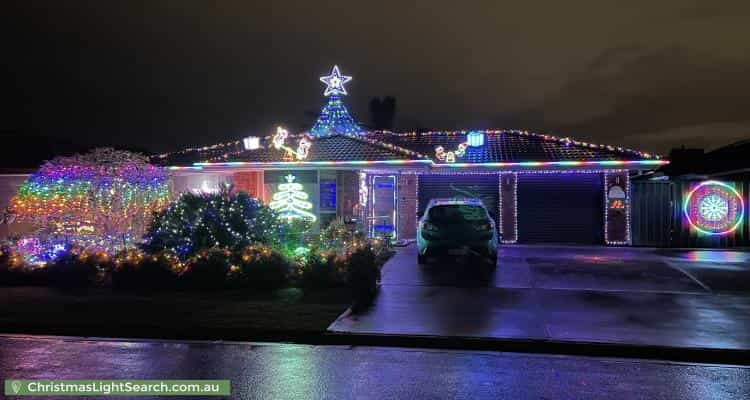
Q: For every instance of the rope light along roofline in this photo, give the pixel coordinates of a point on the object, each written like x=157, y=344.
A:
x=368, y=138
x=526, y=164
x=603, y=163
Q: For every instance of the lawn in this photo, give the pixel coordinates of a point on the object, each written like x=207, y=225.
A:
x=286, y=314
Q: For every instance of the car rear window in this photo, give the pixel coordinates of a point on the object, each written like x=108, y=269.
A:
x=457, y=213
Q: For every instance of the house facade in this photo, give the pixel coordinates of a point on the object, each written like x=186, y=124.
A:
x=538, y=188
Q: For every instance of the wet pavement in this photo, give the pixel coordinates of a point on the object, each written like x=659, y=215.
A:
x=696, y=299
x=284, y=371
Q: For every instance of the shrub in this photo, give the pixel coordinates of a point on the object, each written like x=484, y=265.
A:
x=207, y=270
x=362, y=277
x=12, y=269
x=323, y=270
x=72, y=267
x=225, y=220
x=134, y=270
x=292, y=235
x=260, y=267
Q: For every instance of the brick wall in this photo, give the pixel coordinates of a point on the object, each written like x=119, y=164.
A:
x=407, y=206
x=250, y=182
x=347, y=187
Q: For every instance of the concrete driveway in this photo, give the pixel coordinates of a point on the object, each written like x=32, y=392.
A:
x=569, y=293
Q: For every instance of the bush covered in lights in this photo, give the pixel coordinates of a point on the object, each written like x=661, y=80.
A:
x=260, y=267
x=291, y=255
x=323, y=270
x=225, y=220
x=208, y=269
x=100, y=200
x=74, y=267
x=136, y=270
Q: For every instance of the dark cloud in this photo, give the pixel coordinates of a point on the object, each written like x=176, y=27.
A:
x=166, y=74
x=644, y=96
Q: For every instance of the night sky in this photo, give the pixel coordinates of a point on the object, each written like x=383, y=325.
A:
x=163, y=75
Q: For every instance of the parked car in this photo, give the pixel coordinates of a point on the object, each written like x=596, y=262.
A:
x=456, y=227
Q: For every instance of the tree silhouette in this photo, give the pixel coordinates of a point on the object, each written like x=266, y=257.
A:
x=382, y=112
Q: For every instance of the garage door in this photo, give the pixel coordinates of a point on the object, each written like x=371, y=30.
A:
x=560, y=208
x=480, y=186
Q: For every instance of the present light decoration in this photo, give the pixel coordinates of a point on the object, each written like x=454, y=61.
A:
x=475, y=139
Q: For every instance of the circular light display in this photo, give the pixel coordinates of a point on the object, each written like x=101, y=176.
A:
x=714, y=208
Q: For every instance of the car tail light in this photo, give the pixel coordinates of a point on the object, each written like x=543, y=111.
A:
x=483, y=227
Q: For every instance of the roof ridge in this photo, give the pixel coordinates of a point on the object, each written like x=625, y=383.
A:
x=387, y=146
x=523, y=132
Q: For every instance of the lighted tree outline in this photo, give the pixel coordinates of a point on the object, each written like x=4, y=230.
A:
x=291, y=201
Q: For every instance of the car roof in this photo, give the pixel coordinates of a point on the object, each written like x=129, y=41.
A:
x=454, y=201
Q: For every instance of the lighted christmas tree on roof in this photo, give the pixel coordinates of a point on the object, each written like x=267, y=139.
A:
x=335, y=118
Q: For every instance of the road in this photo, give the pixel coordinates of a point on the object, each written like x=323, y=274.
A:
x=284, y=371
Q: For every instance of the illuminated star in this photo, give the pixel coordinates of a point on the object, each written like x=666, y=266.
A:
x=335, y=82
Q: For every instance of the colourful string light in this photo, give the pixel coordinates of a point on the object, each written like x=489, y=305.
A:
x=102, y=196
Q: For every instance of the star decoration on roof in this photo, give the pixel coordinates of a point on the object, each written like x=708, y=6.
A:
x=335, y=82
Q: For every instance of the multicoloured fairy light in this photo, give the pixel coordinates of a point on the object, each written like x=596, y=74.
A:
x=104, y=196
x=714, y=208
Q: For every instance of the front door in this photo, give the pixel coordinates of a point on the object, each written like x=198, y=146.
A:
x=383, y=216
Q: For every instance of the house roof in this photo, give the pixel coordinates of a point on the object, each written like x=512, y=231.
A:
x=501, y=148
x=335, y=148
x=512, y=146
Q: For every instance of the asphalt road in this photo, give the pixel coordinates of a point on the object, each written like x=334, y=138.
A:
x=284, y=371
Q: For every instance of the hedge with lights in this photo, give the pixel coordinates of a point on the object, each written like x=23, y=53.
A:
x=226, y=220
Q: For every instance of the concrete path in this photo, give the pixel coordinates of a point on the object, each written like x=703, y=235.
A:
x=284, y=371
x=569, y=293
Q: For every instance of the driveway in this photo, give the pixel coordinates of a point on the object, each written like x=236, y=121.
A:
x=569, y=293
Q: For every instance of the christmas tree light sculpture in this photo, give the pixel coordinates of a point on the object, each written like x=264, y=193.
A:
x=291, y=201
x=335, y=118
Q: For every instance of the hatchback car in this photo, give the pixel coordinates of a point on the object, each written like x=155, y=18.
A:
x=456, y=227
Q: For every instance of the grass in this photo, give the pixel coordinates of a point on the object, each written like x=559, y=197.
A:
x=284, y=315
